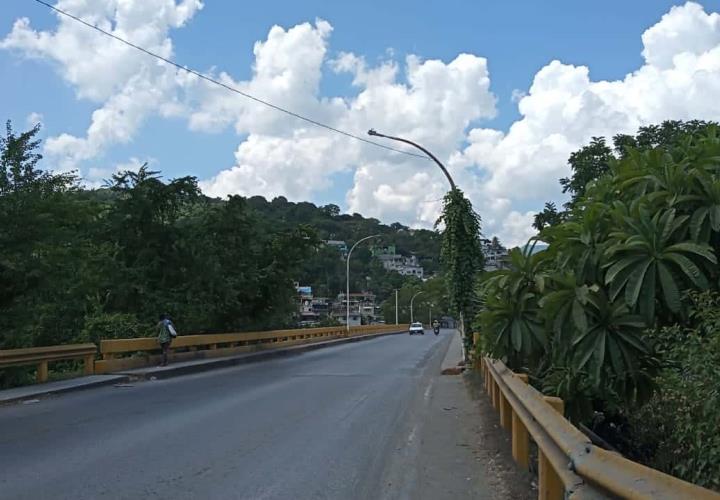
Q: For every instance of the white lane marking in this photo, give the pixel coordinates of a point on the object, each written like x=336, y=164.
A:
x=429, y=390
x=411, y=437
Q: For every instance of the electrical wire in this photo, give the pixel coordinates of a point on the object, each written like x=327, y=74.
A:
x=230, y=88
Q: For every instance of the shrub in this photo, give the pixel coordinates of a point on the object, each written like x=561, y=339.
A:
x=105, y=326
x=680, y=423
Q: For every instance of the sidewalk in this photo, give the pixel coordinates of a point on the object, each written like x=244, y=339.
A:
x=30, y=392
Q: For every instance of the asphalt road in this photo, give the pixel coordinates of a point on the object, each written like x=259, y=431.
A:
x=336, y=423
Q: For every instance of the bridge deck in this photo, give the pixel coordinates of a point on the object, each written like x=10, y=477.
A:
x=366, y=420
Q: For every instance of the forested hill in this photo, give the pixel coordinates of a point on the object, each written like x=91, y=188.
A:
x=330, y=224
x=322, y=268
x=80, y=265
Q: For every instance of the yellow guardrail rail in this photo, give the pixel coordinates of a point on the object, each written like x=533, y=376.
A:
x=121, y=354
x=41, y=356
x=569, y=465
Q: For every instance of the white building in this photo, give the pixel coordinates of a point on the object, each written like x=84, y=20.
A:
x=495, y=254
x=391, y=261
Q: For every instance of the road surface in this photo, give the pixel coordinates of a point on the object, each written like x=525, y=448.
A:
x=335, y=423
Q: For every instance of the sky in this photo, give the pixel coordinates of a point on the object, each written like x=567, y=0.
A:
x=501, y=92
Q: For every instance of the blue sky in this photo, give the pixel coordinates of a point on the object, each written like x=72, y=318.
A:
x=518, y=39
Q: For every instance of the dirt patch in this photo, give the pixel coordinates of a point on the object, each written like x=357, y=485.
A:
x=493, y=447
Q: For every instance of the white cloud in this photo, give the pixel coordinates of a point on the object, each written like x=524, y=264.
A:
x=563, y=109
x=98, y=176
x=33, y=119
x=508, y=175
x=129, y=85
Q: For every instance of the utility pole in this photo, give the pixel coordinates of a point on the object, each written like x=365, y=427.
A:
x=396, y=307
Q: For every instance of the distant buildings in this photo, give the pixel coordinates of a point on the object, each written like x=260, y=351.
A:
x=495, y=254
x=363, y=309
x=392, y=261
x=313, y=310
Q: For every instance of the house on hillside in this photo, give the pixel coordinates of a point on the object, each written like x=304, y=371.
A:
x=392, y=261
x=495, y=254
x=363, y=309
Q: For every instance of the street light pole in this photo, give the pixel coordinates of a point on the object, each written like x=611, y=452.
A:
x=411, y=306
x=347, y=281
x=396, y=307
x=432, y=156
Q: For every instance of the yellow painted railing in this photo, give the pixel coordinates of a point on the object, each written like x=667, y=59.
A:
x=569, y=465
x=124, y=354
x=41, y=356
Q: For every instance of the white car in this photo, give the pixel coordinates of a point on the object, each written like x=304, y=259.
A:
x=416, y=328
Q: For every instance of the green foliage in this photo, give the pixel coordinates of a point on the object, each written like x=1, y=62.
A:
x=641, y=230
x=105, y=326
x=82, y=265
x=548, y=217
x=461, y=253
x=511, y=309
x=587, y=164
x=680, y=423
x=433, y=301
x=650, y=252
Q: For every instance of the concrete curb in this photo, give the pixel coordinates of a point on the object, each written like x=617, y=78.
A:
x=201, y=365
x=63, y=386
x=453, y=362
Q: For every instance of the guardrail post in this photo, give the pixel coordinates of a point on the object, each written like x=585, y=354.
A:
x=42, y=371
x=520, y=436
x=549, y=485
x=505, y=412
x=89, y=364
x=493, y=393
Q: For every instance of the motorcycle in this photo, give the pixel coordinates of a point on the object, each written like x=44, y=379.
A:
x=436, y=330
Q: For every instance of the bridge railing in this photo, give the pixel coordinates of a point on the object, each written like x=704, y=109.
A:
x=569, y=465
x=41, y=356
x=124, y=354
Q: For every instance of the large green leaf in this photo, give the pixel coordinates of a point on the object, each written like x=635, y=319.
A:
x=688, y=247
x=669, y=288
x=635, y=282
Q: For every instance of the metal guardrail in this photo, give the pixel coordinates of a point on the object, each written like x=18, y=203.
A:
x=569, y=465
x=121, y=354
x=41, y=356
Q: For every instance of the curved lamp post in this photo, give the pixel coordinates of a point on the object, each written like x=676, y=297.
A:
x=432, y=156
x=411, y=305
x=347, y=281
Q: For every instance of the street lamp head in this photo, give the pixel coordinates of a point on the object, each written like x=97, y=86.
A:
x=372, y=132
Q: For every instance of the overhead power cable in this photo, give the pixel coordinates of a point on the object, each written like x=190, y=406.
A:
x=228, y=87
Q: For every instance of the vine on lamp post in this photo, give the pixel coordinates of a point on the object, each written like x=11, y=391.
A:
x=461, y=251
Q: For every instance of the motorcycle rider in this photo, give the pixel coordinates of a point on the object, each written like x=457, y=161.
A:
x=436, y=326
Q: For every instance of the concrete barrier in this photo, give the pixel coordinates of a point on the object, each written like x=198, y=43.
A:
x=126, y=354
x=41, y=356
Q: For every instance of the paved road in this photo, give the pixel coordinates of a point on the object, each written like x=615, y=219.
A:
x=332, y=423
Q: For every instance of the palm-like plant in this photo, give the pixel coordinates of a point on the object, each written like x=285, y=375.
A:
x=611, y=341
x=654, y=175
x=579, y=244
x=564, y=308
x=510, y=315
x=705, y=203
x=649, y=253
x=514, y=328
